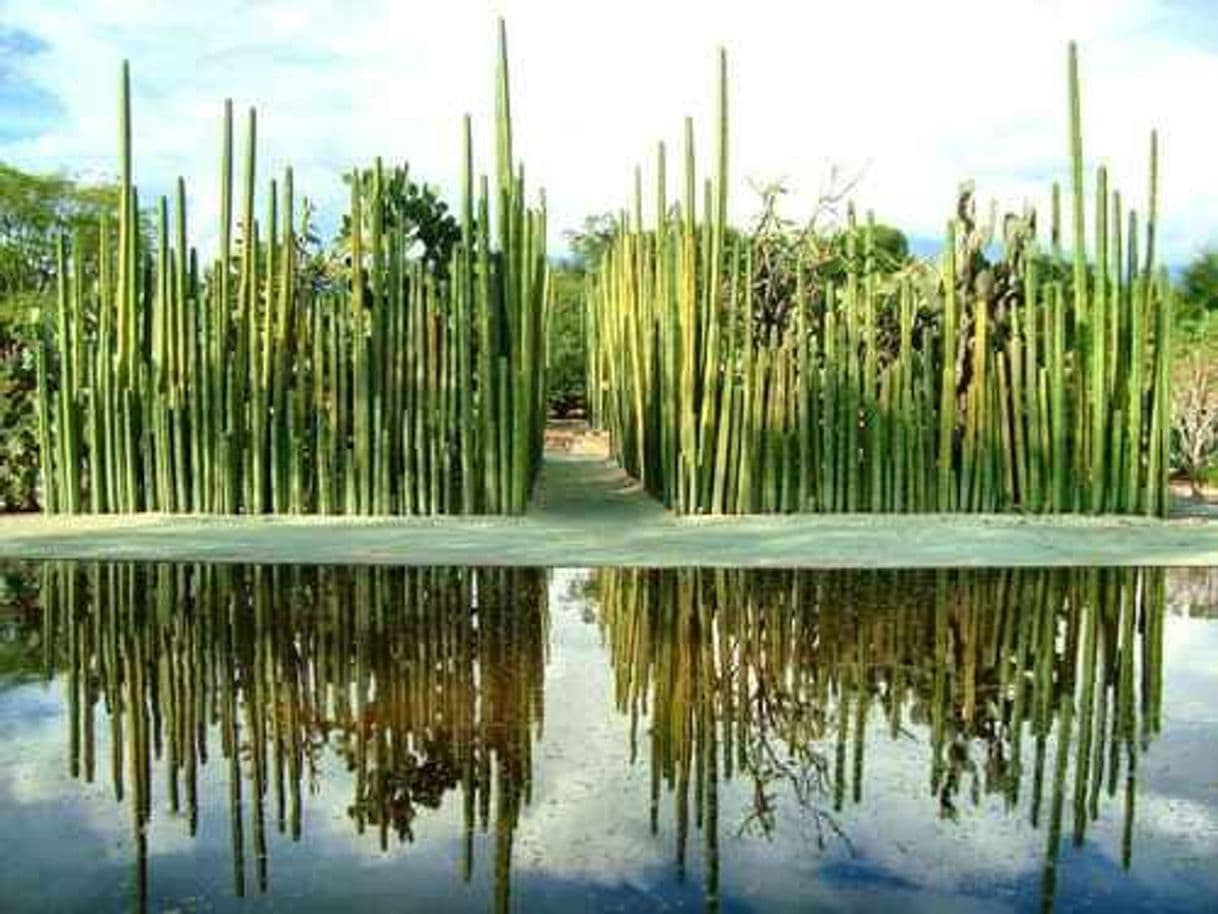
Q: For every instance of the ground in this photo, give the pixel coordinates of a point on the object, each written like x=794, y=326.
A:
x=587, y=512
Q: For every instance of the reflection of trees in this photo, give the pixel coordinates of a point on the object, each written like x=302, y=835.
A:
x=20, y=633
x=1037, y=687
x=773, y=676
x=421, y=680
x=1193, y=592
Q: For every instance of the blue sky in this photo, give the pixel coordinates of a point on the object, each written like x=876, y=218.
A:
x=26, y=109
x=911, y=97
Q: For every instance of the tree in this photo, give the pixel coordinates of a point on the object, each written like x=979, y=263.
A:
x=566, y=341
x=567, y=334
x=416, y=210
x=589, y=242
x=1195, y=420
x=1199, y=286
x=816, y=252
x=18, y=418
x=35, y=210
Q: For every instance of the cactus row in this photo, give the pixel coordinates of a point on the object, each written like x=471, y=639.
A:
x=239, y=387
x=1029, y=384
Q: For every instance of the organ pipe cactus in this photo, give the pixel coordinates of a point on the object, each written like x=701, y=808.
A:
x=411, y=390
x=1037, y=383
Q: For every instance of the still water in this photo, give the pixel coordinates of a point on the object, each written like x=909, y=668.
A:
x=209, y=738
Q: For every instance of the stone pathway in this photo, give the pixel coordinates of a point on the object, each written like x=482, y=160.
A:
x=587, y=512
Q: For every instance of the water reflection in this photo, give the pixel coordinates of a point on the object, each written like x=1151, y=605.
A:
x=1041, y=688
x=424, y=681
x=771, y=678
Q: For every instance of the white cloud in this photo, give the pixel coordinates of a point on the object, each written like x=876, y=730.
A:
x=924, y=94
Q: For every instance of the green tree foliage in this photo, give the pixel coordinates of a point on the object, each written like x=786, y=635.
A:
x=1199, y=287
x=565, y=373
x=21, y=647
x=34, y=210
x=417, y=211
x=589, y=242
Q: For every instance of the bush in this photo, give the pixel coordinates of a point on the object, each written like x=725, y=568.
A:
x=18, y=406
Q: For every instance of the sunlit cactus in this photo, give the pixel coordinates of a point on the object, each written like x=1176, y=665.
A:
x=1033, y=382
x=411, y=389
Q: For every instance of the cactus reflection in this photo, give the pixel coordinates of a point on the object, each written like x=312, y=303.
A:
x=756, y=698
x=422, y=680
x=1040, y=686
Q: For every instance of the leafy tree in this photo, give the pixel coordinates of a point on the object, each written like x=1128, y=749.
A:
x=566, y=379
x=1199, y=286
x=21, y=646
x=566, y=340
x=416, y=210
x=34, y=211
x=567, y=337
x=589, y=242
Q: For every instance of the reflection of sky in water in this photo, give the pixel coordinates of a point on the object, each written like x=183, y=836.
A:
x=584, y=841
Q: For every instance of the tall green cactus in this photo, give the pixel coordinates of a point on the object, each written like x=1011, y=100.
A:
x=415, y=388
x=1052, y=398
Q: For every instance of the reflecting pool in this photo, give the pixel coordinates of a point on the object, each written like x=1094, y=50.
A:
x=250, y=738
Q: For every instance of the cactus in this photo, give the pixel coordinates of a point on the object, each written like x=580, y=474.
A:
x=414, y=389
x=1025, y=385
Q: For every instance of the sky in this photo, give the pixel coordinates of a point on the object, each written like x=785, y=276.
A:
x=909, y=97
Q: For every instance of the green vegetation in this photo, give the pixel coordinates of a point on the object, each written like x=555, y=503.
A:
x=409, y=366
x=570, y=280
x=18, y=416
x=410, y=383
x=34, y=210
x=1198, y=289
x=777, y=372
x=20, y=632
x=566, y=339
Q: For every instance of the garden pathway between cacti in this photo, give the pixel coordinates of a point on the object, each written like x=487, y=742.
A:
x=586, y=512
